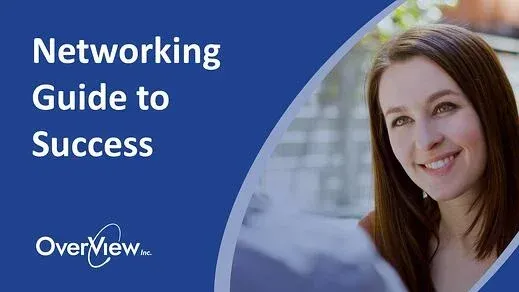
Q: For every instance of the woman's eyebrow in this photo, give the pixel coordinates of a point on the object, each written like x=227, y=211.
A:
x=441, y=93
x=396, y=109
x=430, y=99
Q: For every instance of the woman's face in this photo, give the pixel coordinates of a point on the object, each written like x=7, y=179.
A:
x=434, y=131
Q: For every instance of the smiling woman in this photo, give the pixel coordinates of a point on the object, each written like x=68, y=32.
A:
x=434, y=131
x=444, y=132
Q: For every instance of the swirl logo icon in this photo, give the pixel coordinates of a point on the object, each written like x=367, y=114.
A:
x=97, y=249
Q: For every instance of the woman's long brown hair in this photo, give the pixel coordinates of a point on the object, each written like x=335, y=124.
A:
x=405, y=223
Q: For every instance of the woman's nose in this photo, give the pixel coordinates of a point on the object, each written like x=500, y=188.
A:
x=427, y=136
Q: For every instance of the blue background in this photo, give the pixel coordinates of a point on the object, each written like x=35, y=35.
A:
x=177, y=201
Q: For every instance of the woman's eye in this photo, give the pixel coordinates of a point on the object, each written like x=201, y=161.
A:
x=400, y=121
x=444, y=107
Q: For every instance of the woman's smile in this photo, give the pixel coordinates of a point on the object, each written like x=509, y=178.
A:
x=441, y=165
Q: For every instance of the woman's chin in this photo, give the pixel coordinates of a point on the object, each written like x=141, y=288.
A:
x=443, y=196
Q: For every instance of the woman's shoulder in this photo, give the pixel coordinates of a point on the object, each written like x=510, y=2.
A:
x=368, y=224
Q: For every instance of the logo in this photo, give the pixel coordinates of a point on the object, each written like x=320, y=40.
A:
x=98, y=250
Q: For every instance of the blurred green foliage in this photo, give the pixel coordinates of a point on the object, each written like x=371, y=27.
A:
x=412, y=12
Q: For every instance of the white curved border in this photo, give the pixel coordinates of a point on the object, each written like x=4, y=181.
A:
x=497, y=264
x=230, y=236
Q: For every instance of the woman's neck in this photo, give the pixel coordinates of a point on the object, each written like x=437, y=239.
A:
x=456, y=218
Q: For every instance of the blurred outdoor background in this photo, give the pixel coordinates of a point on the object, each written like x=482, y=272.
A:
x=321, y=169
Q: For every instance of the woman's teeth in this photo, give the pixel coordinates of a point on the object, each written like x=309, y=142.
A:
x=440, y=163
